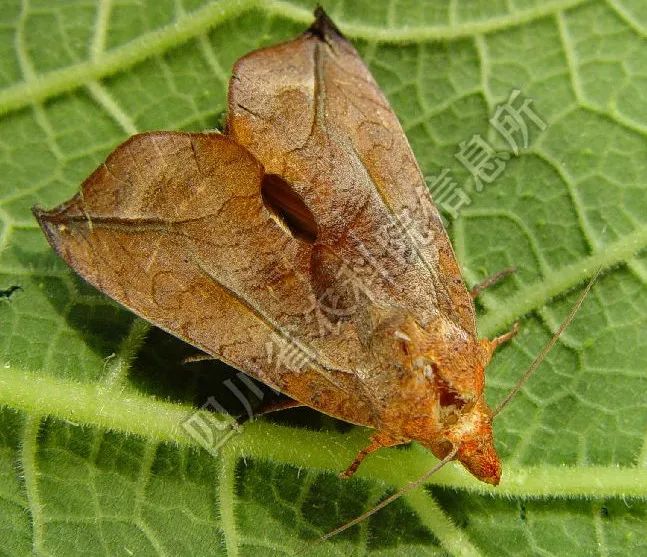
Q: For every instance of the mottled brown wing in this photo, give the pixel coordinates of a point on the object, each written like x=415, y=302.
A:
x=311, y=112
x=283, y=268
x=173, y=226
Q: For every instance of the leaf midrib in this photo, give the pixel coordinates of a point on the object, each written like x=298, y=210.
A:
x=159, y=421
x=37, y=88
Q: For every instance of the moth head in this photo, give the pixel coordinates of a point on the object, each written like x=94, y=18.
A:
x=439, y=370
x=452, y=365
x=460, y=419
x=472, y=435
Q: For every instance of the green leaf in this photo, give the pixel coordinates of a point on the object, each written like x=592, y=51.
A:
x=93, y=455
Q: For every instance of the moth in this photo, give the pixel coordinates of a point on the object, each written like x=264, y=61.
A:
x=300, y=246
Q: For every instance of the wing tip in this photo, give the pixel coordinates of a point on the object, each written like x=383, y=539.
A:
x=41, y=215
x=324, y=27
x=53, y=222
x=46, y=225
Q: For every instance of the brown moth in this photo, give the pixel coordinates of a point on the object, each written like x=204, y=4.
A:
x=305, y=228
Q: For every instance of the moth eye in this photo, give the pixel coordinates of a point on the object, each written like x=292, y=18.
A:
x=288, y=208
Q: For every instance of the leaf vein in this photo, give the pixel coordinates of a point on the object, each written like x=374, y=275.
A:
x=28, y=457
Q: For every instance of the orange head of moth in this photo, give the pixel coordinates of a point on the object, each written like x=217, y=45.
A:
x=440, y=404
x=456, y=366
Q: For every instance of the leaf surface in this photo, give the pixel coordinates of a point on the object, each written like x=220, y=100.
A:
x=93, y=457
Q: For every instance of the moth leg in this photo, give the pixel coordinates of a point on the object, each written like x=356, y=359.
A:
x=267, y=408
x=378, y=441
x=491, y=345
x=491, y=280
x=498, y=341
x=278, y=405
x=198, y=357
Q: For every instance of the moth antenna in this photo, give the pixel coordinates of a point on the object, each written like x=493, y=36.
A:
x=411, y=485
x=548, y=346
